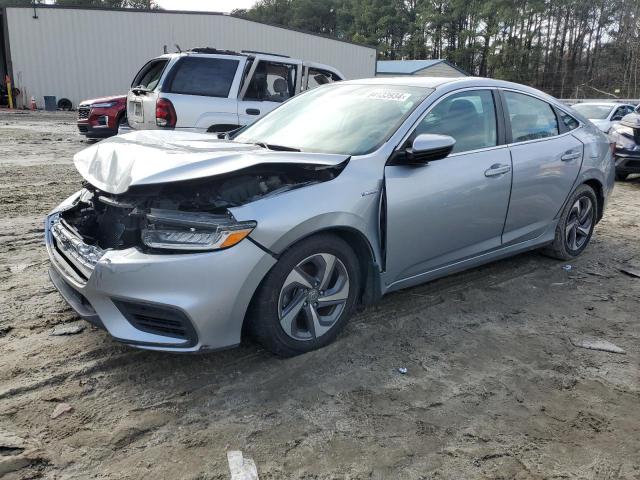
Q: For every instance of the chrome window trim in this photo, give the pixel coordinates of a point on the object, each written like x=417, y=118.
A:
x=535, y=140
x=434, y=104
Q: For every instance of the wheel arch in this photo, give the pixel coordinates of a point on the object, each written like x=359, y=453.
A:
x=598, y=189
x=371, y=289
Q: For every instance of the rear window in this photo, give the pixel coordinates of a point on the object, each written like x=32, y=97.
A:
x=211, y=77
x=149, y=75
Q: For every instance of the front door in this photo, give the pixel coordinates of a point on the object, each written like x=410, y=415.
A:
x=271, y=83
x=451, y=209
x=546, y=163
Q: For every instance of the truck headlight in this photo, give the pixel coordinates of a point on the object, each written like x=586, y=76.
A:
x=194, y=231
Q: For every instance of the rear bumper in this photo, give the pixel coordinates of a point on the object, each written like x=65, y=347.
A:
x=173, y=302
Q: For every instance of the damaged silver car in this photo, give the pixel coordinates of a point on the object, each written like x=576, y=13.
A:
x=183, y=242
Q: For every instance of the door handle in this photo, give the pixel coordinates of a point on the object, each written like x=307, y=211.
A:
x=570, y=155
x=497, y=169
x=252, y=111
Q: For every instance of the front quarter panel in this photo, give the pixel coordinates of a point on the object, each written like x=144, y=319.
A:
x=349, y=201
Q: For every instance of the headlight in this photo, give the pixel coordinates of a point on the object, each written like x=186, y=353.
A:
x=177, y=230
x=103, y=105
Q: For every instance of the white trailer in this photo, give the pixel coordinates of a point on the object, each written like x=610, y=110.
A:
x=79, y=53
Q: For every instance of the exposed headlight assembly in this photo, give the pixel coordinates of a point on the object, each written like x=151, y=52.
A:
x=194, y=231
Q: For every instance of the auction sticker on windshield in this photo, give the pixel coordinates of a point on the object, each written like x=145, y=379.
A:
x=389, y=95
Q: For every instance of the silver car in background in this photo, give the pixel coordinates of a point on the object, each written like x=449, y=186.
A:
x=181, y=241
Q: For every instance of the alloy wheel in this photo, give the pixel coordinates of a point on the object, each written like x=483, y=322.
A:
x=313, y=296
x=579, y=223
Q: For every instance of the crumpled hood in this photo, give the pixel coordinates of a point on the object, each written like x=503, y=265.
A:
x=159, y=156
x=631, y=120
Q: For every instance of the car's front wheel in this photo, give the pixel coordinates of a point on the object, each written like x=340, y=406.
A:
x=307, y=297
x=575, y=225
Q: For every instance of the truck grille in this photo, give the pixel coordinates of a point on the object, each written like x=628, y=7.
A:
x=83, y=112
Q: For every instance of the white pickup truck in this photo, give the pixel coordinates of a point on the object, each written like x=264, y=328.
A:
x=210, y=90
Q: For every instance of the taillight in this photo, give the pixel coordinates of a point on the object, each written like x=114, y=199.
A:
x=165, y=113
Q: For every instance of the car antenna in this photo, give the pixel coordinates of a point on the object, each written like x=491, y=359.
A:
x=164, y=49
x=179, y=49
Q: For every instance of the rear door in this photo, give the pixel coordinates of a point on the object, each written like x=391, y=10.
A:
x=451, y=209
x=203, y=90
x=315, y=76
x=271, y=82
x=546, y=161
x=141, y=99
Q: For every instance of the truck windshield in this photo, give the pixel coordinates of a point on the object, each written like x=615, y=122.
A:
x=339, y=118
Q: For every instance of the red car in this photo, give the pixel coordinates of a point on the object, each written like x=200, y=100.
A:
x=101, y=117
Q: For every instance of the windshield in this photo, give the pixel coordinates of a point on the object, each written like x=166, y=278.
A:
x=593, y=112
x=343, y=119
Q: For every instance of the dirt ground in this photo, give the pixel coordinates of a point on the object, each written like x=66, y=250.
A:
x=494, y=387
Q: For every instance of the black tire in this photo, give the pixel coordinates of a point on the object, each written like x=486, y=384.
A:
x=263, y=320
x=621, y=177
x=561, y=247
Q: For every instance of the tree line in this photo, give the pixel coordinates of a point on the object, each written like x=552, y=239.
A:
x=568, y=48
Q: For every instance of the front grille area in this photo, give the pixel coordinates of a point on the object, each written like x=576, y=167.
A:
x=83, y=112
x=159, y=320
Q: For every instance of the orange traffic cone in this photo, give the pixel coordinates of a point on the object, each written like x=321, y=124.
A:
x=33, y=103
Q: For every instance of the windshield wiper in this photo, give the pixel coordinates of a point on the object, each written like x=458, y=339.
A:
x=282, y=148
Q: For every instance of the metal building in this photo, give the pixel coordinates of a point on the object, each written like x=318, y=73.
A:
x=421, y=68
x=80, y=53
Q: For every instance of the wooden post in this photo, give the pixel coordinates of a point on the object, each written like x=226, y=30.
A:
x=9, y=91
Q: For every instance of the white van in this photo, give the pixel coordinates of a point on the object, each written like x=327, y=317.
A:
x=209, y=90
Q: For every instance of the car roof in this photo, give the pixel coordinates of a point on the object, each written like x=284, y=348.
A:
x=603, y=104
x=452, y=83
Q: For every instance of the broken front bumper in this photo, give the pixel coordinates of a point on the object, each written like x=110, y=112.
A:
x=627, y=161
x=172, y=302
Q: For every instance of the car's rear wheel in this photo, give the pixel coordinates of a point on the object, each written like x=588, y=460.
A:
x=575, y=226
x=621, y=177
x=308, y=296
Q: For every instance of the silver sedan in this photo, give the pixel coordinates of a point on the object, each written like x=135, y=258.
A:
x=183, y=242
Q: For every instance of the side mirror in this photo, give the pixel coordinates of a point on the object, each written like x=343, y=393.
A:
x=428, y=147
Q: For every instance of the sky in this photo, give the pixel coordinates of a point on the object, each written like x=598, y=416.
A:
x=205, y=5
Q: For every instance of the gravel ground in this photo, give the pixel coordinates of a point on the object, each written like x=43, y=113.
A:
x=494, y=387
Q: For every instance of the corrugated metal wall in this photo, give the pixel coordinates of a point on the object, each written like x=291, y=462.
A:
x=81, y=54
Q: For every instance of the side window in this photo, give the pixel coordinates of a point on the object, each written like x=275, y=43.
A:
x=569, y=122
x=272, y=82
x=320, y=77
x=210, y=77
x=531, y=118
x=468, y=117
x=149, y=75
x=619, y=113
